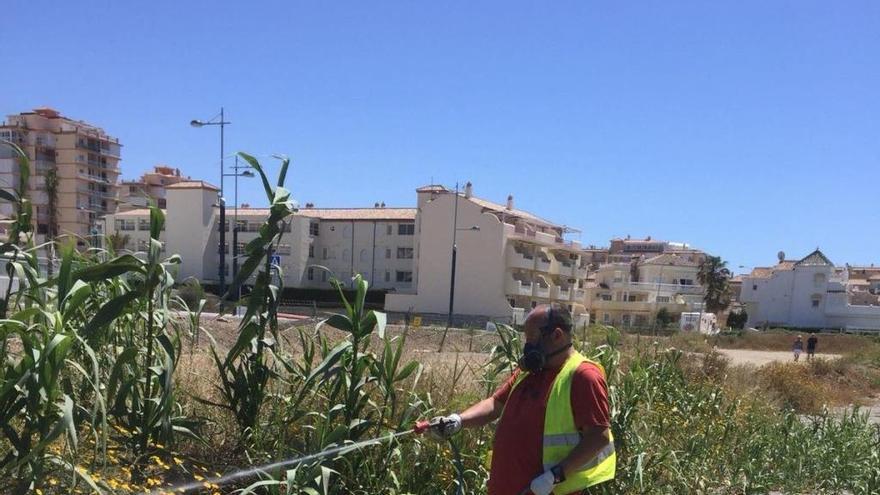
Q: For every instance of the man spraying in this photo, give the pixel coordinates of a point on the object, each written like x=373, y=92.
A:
x=553, y=435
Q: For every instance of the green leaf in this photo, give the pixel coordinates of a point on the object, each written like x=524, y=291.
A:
x=256, y=166
x=406, y=371
x=336, y=321
x=111, y=269
x=108, y=313
x=157, y=221
x=75, y=297
x=329, y=361
x=282, y=174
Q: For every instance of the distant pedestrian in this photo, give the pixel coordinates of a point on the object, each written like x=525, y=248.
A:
x=811, y=347
x=797, y=348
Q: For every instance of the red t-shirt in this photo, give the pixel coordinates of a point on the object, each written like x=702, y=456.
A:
x=518, y=445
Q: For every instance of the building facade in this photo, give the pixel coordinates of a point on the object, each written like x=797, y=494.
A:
x=74, y=171
x=808, y=293
x=317, y=244
x=134, y=194
x=506, y=259
x=629, y=294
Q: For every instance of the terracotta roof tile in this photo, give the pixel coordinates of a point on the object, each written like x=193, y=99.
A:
x=360, y=213
x=193, y=184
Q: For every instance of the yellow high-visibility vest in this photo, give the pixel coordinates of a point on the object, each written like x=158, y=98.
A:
x=561, y=436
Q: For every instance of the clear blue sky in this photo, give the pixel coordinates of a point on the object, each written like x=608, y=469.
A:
x=742, y=128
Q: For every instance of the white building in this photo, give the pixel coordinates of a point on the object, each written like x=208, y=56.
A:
x=808, y=293
x=631, y=294
x=506, y=259
x=377, y=242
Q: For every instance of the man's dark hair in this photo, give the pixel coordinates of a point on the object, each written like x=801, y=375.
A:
x=557, y=316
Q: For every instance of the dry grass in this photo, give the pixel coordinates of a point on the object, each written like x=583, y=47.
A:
x=779, y=340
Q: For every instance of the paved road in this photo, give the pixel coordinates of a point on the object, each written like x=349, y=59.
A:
x=760, y=358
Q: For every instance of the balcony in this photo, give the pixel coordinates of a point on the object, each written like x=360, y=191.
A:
x=519, y=287
x=663, y=289
x=94, y=178
x=542, y=289
x=519, y=259
x=561, y=293
x=543, y=263
x=580, y=271
x=578, y=295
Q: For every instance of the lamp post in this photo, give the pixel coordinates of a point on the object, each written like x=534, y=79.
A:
x=222, y=269
x=235, y=253
x=455, y=229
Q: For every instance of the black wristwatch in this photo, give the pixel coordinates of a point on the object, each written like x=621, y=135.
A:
x=558, y=475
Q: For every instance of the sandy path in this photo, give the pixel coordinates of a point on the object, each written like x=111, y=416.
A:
x=760, y=358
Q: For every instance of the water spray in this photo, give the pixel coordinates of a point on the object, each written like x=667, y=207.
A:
x=245, y=473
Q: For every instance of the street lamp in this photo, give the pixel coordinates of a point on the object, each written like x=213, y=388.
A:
x=222, y=268
x=248, y=174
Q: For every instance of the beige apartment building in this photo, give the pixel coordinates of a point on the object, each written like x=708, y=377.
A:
x=508, y=260
x=134, y=194
x=83, y=159
x=631, y=293
x=318, y=243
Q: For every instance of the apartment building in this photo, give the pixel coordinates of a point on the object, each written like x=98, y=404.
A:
x=507, y=259
x=74, y=170
x=317, y=243
x=134, y=194
x=864, y=285
x=631, y=293
x=811, y=293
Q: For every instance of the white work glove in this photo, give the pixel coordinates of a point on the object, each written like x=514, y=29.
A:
x=443, y=427
x=543, y=485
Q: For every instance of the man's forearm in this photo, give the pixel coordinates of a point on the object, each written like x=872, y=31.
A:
x=481, y=413
x=590, y=445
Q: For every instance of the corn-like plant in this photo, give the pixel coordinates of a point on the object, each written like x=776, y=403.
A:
x=244, y=371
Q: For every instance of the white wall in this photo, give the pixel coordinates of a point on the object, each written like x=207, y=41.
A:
x=480, y=270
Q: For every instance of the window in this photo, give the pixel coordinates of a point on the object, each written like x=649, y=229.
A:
x=388, y=276
x=143, y=224
x=606, y=318
x=605, y=297
x=404, y=253
x=310, y=273
x=346, y=231
x=283, y=249
x=311, y=252
x=364, y=256
x=405, y=277
x=754, y=286
x=313, y=229
x=323, y=276
x=345, y=254
x=389, y=230
x=42, y=228
x=816, y=298
x=406, y=229
x=241, y=247
x=662, y=299
x=512, y=302
x=625, y=320
x=324, y=253
x=387, y=253
x=815, y=303
x=685, y=281
x=534, y=304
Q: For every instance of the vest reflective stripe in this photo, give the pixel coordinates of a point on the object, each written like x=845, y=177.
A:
x=561, y=435
x=603, y=454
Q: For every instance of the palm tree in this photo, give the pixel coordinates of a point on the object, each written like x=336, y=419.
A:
x=117, y=241
x=715, y=278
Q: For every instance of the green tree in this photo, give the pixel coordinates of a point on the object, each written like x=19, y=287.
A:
x=737, y=319
x=715, y=279
x=663, y=318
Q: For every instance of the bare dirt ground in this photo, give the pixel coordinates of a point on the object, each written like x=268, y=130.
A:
x=760, y=358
